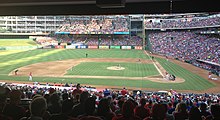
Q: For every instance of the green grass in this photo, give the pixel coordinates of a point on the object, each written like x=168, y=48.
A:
x=17, y=42
x=11, y=61
x=192, y=81
x=112, y=82
x=43, y=55
x=8, y=52
x=131, y=69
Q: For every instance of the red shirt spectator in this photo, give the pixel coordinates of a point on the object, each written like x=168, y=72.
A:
x=124, y=91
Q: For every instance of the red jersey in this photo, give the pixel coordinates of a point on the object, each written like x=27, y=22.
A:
x=123, y=92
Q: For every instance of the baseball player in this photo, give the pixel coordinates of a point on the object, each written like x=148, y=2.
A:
x=16, y=72
x=30, y=76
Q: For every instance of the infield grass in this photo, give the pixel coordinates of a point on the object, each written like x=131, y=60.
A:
x=100, y=69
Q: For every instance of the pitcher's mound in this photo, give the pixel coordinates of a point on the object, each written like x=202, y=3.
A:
x=115, y=68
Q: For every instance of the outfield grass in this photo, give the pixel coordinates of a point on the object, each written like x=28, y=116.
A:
x=17, y=42
x=12, y=61
x=131, y=69
x=8, y=52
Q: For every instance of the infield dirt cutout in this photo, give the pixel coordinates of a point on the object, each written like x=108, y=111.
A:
x=59, y=69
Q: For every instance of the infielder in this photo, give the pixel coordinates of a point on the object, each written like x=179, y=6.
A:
x=30, y=76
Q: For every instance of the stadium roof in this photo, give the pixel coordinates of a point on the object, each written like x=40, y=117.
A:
x=89, y=7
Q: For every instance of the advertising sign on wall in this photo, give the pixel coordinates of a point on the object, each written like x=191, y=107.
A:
x=138, y=47
x=115, y=47
x=93, y=47
x=103, y=47
x=81, y=47
x=70, y=47
x=63, y=43
x=125, y=47
x=59, y=46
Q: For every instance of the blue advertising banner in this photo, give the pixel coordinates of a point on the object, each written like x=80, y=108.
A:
x=122, y=33
x=62, y=32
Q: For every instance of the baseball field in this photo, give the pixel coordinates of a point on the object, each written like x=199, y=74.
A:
x=111, y=68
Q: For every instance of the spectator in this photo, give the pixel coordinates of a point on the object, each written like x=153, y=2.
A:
x=127, y=112
x=54, y=106
x=90, y=110
x=203, y=109
x=120, y=104
x=79, y=109
x=215, y=112
x=141, y=111
x=106, y=92
x=181, y=112
x=158, y=112
x=104, y=110
x=38, y=108
x=13, y=109
x=3, y=96
x=194, y=114
x=168, y=116
x=124, y=91
x=77, y=90
x=66, y=110
x=149, y=105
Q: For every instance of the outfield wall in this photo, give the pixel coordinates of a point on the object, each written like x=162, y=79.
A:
x=70, y=47
x=94, y=47
x=19, y=47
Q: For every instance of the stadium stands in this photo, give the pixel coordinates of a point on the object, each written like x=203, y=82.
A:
x=102, y=24
x=170, y=105
x=184, y=23
x=187, y=46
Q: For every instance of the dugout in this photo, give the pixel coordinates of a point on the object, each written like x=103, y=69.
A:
x=215, y=67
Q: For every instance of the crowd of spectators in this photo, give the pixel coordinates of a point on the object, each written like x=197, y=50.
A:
x=133, y=40
x=104, y=24
x=45, y=40
x=187, y=46
x=184, y=22
x=31, y=102
x=109, y=24
x=104, y=40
